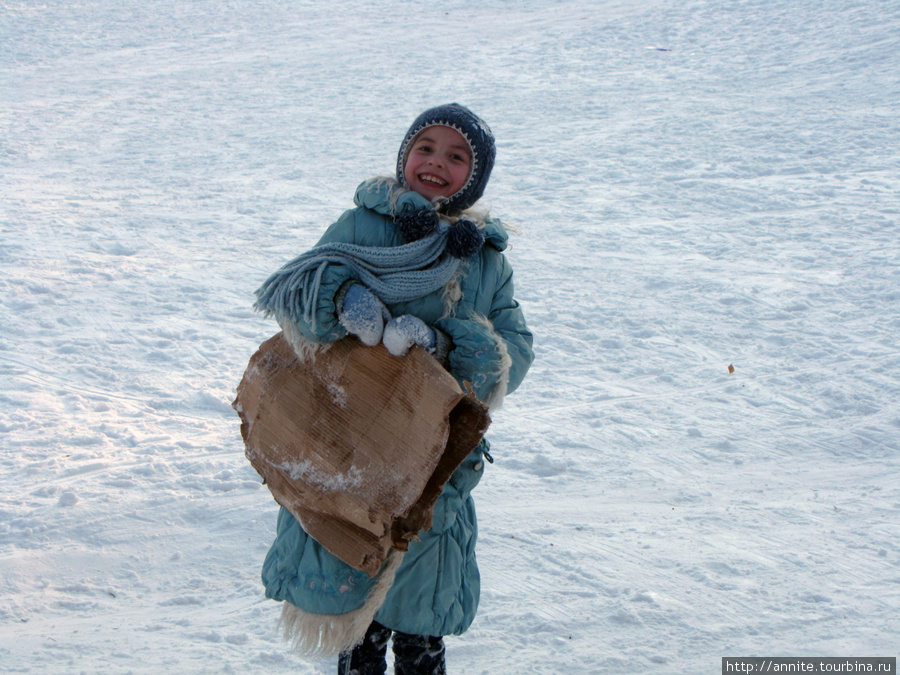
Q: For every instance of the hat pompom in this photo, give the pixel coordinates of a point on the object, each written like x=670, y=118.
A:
x=464, y=239
x=418, y=224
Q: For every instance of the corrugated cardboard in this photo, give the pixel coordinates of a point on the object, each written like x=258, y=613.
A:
x=356, y=443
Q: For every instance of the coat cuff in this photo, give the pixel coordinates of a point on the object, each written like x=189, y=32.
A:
x=340, y=295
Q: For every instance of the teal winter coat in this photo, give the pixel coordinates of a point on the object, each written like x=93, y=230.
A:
x=436, y=588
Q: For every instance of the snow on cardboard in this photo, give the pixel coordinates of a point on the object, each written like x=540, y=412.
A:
x=356, y=443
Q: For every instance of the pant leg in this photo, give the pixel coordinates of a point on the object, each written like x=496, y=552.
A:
x=368, y=657
x=418, y=655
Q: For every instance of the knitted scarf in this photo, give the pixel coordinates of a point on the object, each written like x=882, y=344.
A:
x=393, y=273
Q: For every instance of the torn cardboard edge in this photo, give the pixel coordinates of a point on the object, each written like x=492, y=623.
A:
x=356, y=443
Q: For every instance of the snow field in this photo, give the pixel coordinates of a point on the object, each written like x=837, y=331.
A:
x=697, y=185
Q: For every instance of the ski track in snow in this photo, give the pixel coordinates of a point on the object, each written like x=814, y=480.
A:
x=697, y=185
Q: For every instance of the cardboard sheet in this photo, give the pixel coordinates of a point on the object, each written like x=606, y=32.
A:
x=356, y=443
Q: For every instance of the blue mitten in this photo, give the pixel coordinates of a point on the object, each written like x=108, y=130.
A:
x=478, y=357
x=362, y=314
x=403, y=332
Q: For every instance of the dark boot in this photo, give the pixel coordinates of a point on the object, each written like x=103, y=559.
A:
x=368, y=657
x=418, y=655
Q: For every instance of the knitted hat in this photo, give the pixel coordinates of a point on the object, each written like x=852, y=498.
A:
x=481, y=144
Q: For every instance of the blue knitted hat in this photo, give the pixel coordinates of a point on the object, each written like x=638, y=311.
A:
x=481, y=143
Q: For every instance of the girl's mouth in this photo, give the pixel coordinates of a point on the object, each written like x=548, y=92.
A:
x=429, y=178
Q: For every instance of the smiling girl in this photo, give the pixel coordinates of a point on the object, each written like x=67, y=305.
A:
x=429, y=271
x=438, y=163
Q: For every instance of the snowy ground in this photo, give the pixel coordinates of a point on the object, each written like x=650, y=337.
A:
x=697, y=184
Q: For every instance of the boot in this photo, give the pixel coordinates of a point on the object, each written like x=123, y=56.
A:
x=368, y=657
x=418, y=655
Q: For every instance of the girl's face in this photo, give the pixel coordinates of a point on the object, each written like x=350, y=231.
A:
x=438, y=163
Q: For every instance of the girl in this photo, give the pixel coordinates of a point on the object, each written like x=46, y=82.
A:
x=412, y=264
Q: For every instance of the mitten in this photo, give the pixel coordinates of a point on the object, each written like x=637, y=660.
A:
x=478, y=356
x=403, y=332
x=362, y=313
